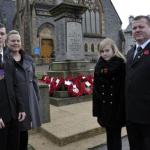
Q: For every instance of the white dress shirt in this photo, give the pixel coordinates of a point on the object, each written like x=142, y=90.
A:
x=1, y=52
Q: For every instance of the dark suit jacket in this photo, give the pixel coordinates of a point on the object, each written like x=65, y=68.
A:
x=9, y=108
x=138, y=87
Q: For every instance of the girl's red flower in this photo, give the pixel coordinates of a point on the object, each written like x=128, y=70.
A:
x=146, y=52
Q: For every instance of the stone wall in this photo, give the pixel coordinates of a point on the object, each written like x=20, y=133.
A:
x=7, y=12
x=112, y=21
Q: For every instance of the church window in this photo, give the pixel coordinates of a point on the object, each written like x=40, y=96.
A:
x=85, y=47
x=91, y=18
x=92, y=47
x=98, y=48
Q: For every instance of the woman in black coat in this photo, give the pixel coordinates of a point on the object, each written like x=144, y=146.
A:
x=108, y=92
x=26, y=86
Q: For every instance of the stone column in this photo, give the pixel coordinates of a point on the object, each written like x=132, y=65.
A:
x=69, y=44
x=44, y=103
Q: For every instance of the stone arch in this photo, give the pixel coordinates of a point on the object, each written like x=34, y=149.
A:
x=43, y=26
x=45, y=34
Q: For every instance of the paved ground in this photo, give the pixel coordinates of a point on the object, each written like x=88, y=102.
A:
x=67, y=120
x=125, y=145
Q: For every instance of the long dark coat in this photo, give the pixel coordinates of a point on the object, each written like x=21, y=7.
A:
x=108, y=93
x=138, y=87
x=9, y=108
x=27, y=89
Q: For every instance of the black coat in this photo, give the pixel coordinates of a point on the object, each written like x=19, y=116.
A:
x=27, y=90
x=138, y=87
x=10, y=107
x=108, y=93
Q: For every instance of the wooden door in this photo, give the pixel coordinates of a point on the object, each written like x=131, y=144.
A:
x=46, y=49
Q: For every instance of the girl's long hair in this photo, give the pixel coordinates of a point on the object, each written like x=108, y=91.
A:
x=108, y=41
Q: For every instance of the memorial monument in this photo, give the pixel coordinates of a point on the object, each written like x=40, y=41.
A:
x=69, y=53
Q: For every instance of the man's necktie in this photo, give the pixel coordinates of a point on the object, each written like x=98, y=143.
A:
x=138, y=54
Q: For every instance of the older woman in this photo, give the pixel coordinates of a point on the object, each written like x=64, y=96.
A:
x=26, y=86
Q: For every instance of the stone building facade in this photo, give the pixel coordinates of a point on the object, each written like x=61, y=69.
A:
x=128, y=36
x=38, y=28
x=7, y=12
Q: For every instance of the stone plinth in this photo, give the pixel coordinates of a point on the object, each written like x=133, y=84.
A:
x=73, y=68
x=69, y=100
x=61, y=94
x=69, y=65
x=44, y=103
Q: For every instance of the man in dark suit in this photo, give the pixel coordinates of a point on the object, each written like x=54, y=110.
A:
x=11, y=108
x=138, y=86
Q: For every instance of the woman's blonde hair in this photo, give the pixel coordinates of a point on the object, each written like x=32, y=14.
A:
x=108, y=41
x=12, y=32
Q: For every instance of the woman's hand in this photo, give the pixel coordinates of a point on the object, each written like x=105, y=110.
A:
x=21, y=116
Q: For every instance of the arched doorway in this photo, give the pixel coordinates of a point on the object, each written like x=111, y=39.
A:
x=46, y=36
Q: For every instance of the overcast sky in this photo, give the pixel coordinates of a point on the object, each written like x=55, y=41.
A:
x=126, y=8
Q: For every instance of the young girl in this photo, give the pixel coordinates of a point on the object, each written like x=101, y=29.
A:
x=108, y=93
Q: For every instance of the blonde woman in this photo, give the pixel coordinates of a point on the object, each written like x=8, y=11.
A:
x=26, y=86
x=108, y=93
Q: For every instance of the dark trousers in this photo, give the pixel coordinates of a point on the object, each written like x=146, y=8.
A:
x=113, y=138
x=23, y=140
x=139, y=136
x=9, y=136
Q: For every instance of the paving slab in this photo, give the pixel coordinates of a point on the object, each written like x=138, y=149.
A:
x=125, y=145
x=71, y=123
x=72, y=127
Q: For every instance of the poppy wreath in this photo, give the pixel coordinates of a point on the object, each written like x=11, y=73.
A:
x=68, y=81
x=87, y=84
x=51, y=86
x=73, y=90
x=45, y=79
x=72, y=86
x=58, y=83
x=87, y=88
x=76, y=86
x=55, y=85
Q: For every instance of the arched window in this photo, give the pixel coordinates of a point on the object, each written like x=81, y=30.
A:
x=91, y=18
x=92, y=47
x=98, y=48
x=87, y=15
x=85, y=47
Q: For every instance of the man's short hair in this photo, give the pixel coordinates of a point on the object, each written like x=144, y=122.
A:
x=142, y=17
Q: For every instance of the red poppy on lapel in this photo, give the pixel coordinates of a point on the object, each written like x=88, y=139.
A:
x=146, y=52
x=105, y=70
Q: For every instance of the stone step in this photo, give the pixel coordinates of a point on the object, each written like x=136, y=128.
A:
x=40, y=142
x=62, y=140
x=68, y=100
x=71, y=123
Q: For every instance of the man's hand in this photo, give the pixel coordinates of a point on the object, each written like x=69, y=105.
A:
x=2, y=125
x=21, y=116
